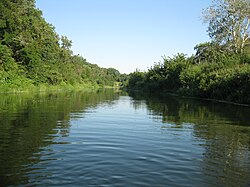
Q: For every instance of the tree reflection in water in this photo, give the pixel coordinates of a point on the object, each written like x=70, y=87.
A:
x=224, y=129
x=30, y=123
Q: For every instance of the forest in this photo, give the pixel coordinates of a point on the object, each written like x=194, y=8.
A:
x=32, y=54
x=219, y=69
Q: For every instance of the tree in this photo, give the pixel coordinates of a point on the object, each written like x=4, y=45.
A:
x=208, y=52
x=66, y=43
x=229, y=22
x=31, y=50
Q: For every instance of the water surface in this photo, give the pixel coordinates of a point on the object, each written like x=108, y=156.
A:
x=108, y=138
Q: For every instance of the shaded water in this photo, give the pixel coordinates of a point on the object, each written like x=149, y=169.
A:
x=109, y=138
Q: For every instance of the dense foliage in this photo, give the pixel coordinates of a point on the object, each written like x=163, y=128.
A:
x=32, y=53
x=226, y=77
x=220, y=69
x=222, y=76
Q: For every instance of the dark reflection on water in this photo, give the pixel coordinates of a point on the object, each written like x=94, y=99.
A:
x=223, y=130
x=30, y=124
x=106, y=138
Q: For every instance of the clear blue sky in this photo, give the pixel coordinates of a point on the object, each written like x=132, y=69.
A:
x=128, y=34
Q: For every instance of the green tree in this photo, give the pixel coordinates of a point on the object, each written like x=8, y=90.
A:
x=66, y=43
x=31, y=50
x=208, y=52
x=229, y=22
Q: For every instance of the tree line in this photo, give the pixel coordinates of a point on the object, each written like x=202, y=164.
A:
x=220, y=69
x=32, y=53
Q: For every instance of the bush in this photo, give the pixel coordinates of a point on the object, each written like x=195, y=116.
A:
x=227, y=79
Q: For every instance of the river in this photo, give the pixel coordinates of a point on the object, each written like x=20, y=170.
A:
x=112, y=138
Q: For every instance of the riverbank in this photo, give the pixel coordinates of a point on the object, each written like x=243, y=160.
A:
x=225, y=80
x=167, y=93
x=8, y=89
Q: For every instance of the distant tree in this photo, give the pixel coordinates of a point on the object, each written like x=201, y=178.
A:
x=66, y=43
x=114, y=73
x=229, y=22
x=136, y=79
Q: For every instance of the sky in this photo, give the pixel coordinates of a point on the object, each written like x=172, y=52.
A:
x=128, y=34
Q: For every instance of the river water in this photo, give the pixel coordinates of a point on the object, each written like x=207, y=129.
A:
x=110, y=138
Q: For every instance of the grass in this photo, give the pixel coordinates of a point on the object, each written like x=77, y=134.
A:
x=10, y=88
